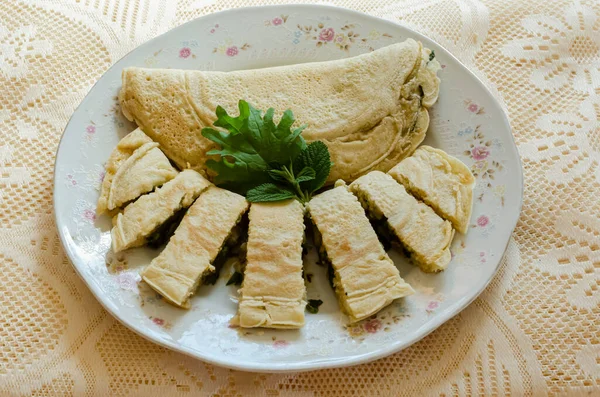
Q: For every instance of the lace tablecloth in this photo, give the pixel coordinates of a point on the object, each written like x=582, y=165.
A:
x=534, y=331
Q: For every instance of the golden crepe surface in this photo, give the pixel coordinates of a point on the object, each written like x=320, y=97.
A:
x=119, y=155
x=420, y=230
x=142, y=217
x=365, y=278
x=202, y=233
x=273, y=294
x=441, y=181
x=370, y=110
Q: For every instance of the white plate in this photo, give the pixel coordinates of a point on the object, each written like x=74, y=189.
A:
x=466, y=122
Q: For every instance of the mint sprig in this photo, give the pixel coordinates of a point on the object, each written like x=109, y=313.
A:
x=265, y=161
x=250, y=144
x=314, y=165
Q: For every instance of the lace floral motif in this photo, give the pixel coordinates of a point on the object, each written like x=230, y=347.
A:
x=575, y=259
x=574, y=142
x=565, y=50
x=17, y=46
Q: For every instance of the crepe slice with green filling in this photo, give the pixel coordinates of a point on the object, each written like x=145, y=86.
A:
x=370, y=110
x=140, y=219
x=189, y=257
x=441, y=181
x=418, y=228
x=136, y=166
x=364, y=277
x=273, y=294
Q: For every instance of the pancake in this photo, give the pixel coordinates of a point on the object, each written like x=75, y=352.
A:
x=420, y=230
x=146, y=169
x=441, y=181
x=364, y=277
x=190, y=253
x=119, y=155
x=133, y=226
x=273, y=294
x=370, y=110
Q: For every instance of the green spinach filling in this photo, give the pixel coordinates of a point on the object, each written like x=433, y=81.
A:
x=322, y=252
x=164, y=232
x=384, y=231
x=230, y=248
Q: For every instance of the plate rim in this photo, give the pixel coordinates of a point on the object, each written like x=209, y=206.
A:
x=283, y=367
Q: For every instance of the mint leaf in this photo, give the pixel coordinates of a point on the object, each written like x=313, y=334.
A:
x=251, y=144
x=232, y=123
x=315, y=156
x=431, y=55
x=268, y=192
x=307, y=174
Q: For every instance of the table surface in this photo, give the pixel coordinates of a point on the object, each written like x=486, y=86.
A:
x=534, y=331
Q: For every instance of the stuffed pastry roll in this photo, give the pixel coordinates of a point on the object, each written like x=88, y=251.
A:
x=273, y=294
x=140, y=219
x=420, y=230
x=202, y=234
x=364, y=277
x=441, y=181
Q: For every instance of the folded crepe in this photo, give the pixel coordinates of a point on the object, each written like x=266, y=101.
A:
x=136, y=166
x=370, y=110
x=420, y=230
x=125, y=148
x=442, y=181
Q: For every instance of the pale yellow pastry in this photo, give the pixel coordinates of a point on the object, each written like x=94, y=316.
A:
x=365, y=278
x=119, y=155
x=201, y=235
x=143, y=217
x=370, y=110
x=420, y=230
x=144, y=170
x=273, y=294
x=441, y=181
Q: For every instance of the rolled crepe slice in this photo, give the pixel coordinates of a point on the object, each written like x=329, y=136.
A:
x=273, y=294
x=441, y=181
x=140, y=219
x=420, y=230
x=119, y=155
x=190, y=253
x=364, y=277
x=370, y=110
x=146, y=169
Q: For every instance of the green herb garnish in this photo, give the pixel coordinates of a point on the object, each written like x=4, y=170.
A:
x=236, y=279
x=431, y=55
x=269, y=192
x=265, y=161
x=313, y=305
